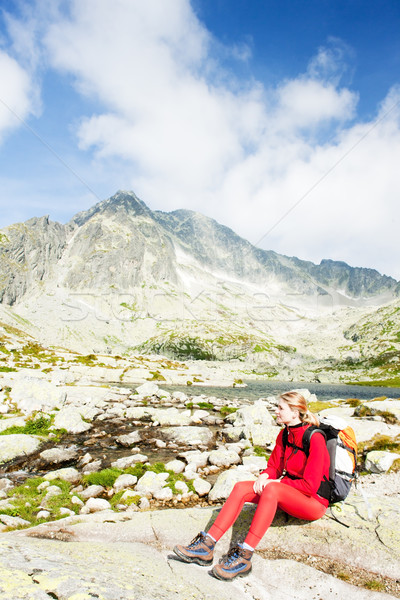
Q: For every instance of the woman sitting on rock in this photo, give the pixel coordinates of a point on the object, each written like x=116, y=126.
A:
x=290, y=482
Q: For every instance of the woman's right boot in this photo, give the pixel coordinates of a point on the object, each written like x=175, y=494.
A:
x=200, y=550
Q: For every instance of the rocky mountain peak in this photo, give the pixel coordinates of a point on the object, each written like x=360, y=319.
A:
x=122, y=204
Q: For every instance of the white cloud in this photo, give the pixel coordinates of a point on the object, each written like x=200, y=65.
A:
x=17, y=99
x=193, y=136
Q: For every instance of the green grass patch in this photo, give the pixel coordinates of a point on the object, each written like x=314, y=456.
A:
x=353, y=402
x=89, y=360
x=156, y=376
x=205, y=405
x=367, y=411
x=227, y=410
x=393, y=382
x=380, y=442
x=373, y=584
x=7, y=369
x=26, y=500
x=260, y=451
x=316, y=407
x=33, y=426
x=106, y=477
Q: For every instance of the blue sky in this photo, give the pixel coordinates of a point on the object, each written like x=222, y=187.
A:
x=278, y=118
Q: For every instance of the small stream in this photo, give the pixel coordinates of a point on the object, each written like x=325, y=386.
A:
x=100, y=440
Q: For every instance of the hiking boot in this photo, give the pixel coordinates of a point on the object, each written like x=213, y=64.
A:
x=237, y=563
x=200, y=550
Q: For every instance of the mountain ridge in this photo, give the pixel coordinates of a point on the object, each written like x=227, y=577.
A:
x=120, y=278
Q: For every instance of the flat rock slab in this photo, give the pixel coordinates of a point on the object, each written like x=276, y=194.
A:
x=36, y=569
x=129, y=556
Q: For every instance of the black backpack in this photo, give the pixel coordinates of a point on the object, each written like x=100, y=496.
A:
x=343, y=457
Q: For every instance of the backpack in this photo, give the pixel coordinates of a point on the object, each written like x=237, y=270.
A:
x=342, y=448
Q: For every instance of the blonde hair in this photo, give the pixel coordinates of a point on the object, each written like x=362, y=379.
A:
x=297, y=402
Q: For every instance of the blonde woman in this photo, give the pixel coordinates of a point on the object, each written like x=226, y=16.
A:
x=291, y=482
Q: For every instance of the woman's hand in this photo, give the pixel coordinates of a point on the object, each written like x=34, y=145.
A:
x=261, y=482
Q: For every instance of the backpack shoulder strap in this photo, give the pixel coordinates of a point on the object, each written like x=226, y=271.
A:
x=309, y=432
x=305, y=440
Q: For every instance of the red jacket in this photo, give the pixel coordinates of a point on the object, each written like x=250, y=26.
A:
x=310, y=470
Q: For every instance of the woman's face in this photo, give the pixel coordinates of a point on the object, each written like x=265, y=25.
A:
x=286, y=415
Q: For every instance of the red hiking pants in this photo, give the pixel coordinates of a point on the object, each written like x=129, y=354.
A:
x=275, y=495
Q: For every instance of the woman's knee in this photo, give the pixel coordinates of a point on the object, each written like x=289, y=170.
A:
x=242, y=488
x=271, y=490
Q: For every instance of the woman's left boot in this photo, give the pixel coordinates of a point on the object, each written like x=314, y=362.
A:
x=237, y=563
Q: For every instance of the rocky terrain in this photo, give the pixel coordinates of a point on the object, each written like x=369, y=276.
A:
x=99, y=480
x=121, y=279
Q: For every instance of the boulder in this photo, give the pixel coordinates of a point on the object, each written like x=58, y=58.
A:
x=195, y=458
x=181, y=487
x=201, y=486
x=223, y=457
x=13, y=521
x=163, y=494
x=389, y=405
x=17, y=444
x=255, y=413
x=177, y=466
x=151, y=483
x=171, y=416
x=12, y=422
x=70, y=418
x=31, y=394
x=129, y=439
x=124, y=481
x=148, y=389
x=93, y=491
x=254, y=464
x=96, y=505
x=190, y=435
x=59, y=455
x=225, y=482
x=380, y=461
x=68, y=474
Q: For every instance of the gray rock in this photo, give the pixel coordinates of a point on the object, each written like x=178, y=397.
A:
x=196, y=459
x=67, y=474
x=129, y=461
x=163, y=494
x=201, y=486
x=70, y=418
x=5, y=484
x=148, y=389
x=225, y=482
x=32, y=394
x=254, y=464
x=12, y=422
x=13, y=521
x=378, y=461
x=17, y=444
x=190, y=435
x=93, y=491
x=171, y=416
x=223, y=457
x=97, y=504
x=177, y=466
x=124, y=481
x=59, y=455
x=129, y=439
x=151, y=483
x=92, y=467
